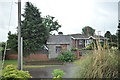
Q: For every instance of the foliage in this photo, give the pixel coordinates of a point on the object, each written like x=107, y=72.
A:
x=66, y=56
x=87, y=30
x=2, y=46
x=118, y=38
x=90, y=46
x=10, y=71
x=51, y=24
x=114, y=38
x=12, y=41
x=58, y=73
x=108, y=35
x=101, y=64
x=114, y=44
x=33, y=31
x=74, y=49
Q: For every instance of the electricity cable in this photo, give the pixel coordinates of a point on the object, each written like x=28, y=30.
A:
x=4, y=53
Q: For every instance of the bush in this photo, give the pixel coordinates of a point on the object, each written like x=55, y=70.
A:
x=66, y=56
x=11, y=71
x=74, y=49
x=89, y=47
x=58, y=73
x=113, y=44
x=101, y=64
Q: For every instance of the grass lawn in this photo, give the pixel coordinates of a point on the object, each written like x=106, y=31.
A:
x=15, y=62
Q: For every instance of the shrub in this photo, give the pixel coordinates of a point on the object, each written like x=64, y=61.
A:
x=113, y=44
x=74, y=49
x=58, y=73
x=101, y=64
x=11, y=71
x=66, y=56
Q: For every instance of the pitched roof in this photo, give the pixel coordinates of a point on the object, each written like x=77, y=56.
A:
x=82, y=36
x=79, y=36
x=59, y=39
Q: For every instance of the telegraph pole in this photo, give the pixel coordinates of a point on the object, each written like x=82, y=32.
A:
x=19, y=36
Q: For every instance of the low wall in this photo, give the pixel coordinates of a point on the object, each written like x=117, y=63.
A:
x=31, y=56
x=38, y=56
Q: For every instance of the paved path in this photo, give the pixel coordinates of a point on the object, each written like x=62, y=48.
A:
x=46, y=72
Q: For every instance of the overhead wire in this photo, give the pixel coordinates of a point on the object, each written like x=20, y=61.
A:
x=4, y=53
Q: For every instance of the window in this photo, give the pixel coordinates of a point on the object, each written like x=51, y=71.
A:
x=58, y=49
x=80, y=42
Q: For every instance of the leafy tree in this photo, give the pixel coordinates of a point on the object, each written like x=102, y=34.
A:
x=34, y=32
x=12, y=41
x=108, y=35
x=87, y=30
x=113, y=38
x=51, y=24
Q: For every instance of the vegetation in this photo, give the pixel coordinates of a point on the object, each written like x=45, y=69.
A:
x=35, y=30
x=51, y=24
x=12, y=41
x=66, y=56
x=103, y=63
x=2, y=46
x=112, y=39
x=108, y=35
x=74, y=49
x=15, y=63
x=118, y=35
x=87, y=30
x=11, y=71
x=58, y=73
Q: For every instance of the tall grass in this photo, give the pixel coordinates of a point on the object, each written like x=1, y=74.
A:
x=102, y=63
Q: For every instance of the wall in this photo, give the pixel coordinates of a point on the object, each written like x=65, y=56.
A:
x=52, y=51
x=31, y=56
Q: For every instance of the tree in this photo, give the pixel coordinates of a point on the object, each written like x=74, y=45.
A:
x=12, y=41
x=114, y=38
x=33, y=31
x=118, y=35
x=51, y=24
x=87, y=30
x=108, y=35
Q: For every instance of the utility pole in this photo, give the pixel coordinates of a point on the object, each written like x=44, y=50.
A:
x=19, y=36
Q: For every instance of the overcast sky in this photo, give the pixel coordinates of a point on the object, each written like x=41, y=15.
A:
x=73, y=15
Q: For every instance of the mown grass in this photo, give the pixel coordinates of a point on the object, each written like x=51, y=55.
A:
x=102, y=63
x=15, y=63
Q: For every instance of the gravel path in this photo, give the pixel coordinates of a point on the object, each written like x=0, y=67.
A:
x=46, y=72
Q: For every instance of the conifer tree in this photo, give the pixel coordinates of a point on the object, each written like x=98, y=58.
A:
x=33, y=31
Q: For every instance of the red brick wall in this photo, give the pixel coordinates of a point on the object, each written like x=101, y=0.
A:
x=64, y=46
x=78, y=54
x=31, y=56
x=73, y=43
x=12, y=56
x=38, y=56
